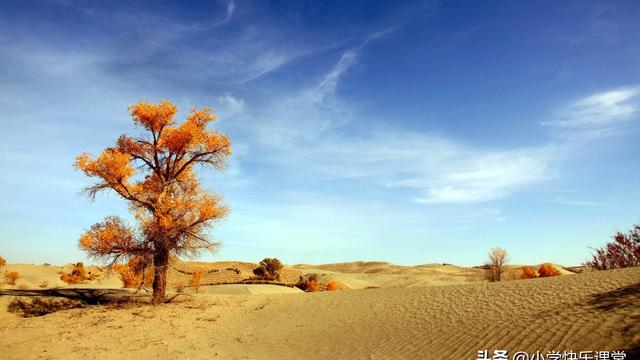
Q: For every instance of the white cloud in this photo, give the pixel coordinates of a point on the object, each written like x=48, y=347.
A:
x=306, y=131
x=602, y=109
x=228, y=106
x=572, y=202
x=231, y=8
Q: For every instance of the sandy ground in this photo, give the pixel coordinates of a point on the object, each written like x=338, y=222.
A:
x=584, y=312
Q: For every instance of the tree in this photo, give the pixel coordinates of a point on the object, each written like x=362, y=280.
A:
x=11, y=277
x=497, y=260
x=268, y=269
x=155, y=174
x=196, y=279
x=622, y=252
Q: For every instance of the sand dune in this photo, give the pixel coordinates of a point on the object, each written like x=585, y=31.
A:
x=360, y=274
x=588, y=311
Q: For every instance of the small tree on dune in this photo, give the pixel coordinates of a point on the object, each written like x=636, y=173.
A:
x=548, y=270
x=3, y=262
x=196, y=279
x=155, y=174
x=268, y=269
x=622, y=252
x=11, y=277
x=528, y=273
x=77, y=275
x=497, y=260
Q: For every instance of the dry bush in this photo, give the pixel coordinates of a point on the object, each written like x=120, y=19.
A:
x=11, y=277
x=308, y=283
x=548, y=270
x=622, y=252
x=41, y=306
x=136, y=273
x=332, y=285
x=76, y=276
x=196, y=278
x=44, y=284
x=495, y=267
x=234, y=269
x=129, y=278
x=311, y=286
x=528, y=273
x=269, y=269
x=3, y=262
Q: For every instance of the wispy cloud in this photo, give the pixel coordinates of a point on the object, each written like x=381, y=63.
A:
x=228, y=106
x=347, y=60
x=231, y=8
x=573, y=202
x=308, y=131
x=601, y=109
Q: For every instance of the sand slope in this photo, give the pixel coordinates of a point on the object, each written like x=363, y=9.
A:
x=588, y=311
x=362, y=274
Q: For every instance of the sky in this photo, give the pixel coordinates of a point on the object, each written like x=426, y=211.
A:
x=410, y=132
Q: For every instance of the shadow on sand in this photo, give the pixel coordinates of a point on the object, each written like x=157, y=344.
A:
x=89, y=296
x=624, y=297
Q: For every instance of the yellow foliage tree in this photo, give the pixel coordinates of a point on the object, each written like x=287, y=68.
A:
x=196, y=278
x=11, y=277
x=155, y=174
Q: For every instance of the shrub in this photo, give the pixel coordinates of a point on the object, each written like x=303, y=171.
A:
x=136, y=273
x=547, y=270
x=269, y=269
x=497, y=260
x=77, y=275
x=3, y=262
x=11, y=277
x=332, y=285
x=528, y=273
x=622, y=252
x=234, y=269
x=311, y=286
x=40, y=307
x=196, y=277
x=44, y=284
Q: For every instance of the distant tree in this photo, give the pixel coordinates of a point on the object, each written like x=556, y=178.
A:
x=497, y=260
x=268, y=269
x=196, y=278
x=622, y=252
x=155, y=174
x=3, y=262
x=77, y=275
x=11, y=277
x=548, y=270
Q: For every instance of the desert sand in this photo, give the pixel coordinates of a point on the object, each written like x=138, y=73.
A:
x=426, y=318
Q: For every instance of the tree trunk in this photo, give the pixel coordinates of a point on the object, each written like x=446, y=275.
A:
x=161, y=266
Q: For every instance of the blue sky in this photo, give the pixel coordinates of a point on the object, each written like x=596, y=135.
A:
x=410, y=132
